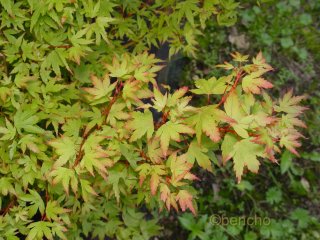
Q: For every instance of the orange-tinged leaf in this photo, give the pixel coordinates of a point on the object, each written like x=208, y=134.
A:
x=101, y=90
x=185, y=201
x=289, y=104
x=165, y=195
x=180, y=168
x=171, y=131
x=154, y=183
x=290, y=140
x=253, y=82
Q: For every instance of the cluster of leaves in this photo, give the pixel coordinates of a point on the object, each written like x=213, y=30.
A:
x=292, y=189
x=79, y=157
x=90, y=151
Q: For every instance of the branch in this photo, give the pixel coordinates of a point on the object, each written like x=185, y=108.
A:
x=163, y=119
x=105, y=113
x=8, y=207
x=225, y=96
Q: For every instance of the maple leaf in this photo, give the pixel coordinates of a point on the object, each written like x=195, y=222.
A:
x=95, y=157
x=120, y=69
x=114, y=177
x=197, y=152
x=154, y=182
x=39, y=230
x=133, y=91
x=244, y=154
x=144, y=170
x=210, y=86
x=289, y=104
x=253, y=82
x=117, y=112
x=154, y=150
x=289, y=139
x=229, y=141
x=238, y=57
x=27, y=120
x=180, y=168
x=234, y=110
x=142, y=124
x=185, y=201
x=226, y=66
x=65, y=176
x=165, y=195
x=9, y=132
x=101, y=90
x=87, y=190
x=53, y=210
x=171, y=131
x=130, y=154
x=65, y=148
x=174, y=98
x=159, y=101
x=260, y=61
x=291, y=120
x=36, y=202
x=206, y=120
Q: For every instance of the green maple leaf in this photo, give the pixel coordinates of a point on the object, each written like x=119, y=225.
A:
x=36, y=202
x=53, y=210
x=206, y=120
x=171, y=131
x=114, y=177
x=159, y=101
x=130, y=154
x=9, y=132
x=186, y=8
x=142, y=124
x=229, y=141
x=87, y=190
x=289, y=104
x=244, y=154
x=39, y=230
x=65, y=148
x=235, y=111
x=27, y=120
x=117, y=112
x=210, y=86
x=197, y=152
x=65, y=176
x=154, y=150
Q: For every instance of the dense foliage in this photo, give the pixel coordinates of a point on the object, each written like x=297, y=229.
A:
x=88, y=137
x=289, y=195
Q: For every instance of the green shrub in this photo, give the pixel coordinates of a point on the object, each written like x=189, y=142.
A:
x=81, y=148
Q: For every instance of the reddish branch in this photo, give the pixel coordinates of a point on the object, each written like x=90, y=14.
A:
x=164, y=119
x=225, y=96
x=105, y=113
x=8, y=207
x=227, y=129
x=61, y=46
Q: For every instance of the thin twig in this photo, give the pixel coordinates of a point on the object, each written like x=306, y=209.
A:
x=105, y=113
x=225, y=96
